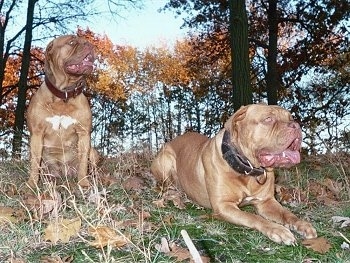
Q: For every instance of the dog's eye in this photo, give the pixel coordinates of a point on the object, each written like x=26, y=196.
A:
x=72, y=42
x=268, y=119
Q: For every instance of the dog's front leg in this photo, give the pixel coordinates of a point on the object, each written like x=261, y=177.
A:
x=36, y=148
x=83, y=156
x=274, y=211
x=230, y=212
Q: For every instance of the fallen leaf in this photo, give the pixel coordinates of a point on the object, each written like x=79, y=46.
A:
x=319, y=244
x=159, y=203
x=291, y=196
x=327, y=201
x=106, y=236
x=11, y=215
x=56, y=259
x=43, y=204
x=339, y=219
x=334, y=187
x=97, y=197
x=322, y=193
x=168, y=219
x=345, y=246
x=175, y=197
x=16, y=260
x=11, y=190
x=133, y=183
x=163, y=246
x=108, y=180
x=143, y=226
x=62, y=229
x=173, y=250
x=144, y=214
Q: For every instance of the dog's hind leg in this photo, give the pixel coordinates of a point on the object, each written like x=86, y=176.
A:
x=164, y=167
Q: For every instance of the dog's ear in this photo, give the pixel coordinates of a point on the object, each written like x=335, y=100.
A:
x=237, y=116
x=48, y=55
x=49, y=46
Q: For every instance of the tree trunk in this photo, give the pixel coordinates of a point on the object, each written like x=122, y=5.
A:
x=4, y=51
x=242, y=90
x=272, y=82
x=22, y=84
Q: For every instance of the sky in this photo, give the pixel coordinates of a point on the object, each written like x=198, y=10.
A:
x=142, y=27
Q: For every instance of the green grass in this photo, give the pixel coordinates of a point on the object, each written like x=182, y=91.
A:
x=120, y=208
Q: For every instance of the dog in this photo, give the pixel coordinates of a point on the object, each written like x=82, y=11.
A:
x=59, y=114
x=235, y=168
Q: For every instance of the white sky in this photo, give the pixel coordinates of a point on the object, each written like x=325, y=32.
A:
x=142, y=27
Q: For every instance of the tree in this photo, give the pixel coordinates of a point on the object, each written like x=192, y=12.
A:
x=22, y=84
x=272, y=79
x=307, y=32
x=242, y=91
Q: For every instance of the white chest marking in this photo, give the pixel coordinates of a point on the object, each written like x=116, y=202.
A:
x=251, y=199
x=63, y=121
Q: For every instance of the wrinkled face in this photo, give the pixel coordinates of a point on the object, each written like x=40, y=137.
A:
x=68, y=56
x=266, y=135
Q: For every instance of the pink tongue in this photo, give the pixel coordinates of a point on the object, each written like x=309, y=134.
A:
x=286, y=158
x=293, y=156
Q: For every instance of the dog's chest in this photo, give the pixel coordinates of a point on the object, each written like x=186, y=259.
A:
x=59, y=122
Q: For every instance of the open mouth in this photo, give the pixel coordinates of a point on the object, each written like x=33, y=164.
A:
x=84, y=67
x=284, y=158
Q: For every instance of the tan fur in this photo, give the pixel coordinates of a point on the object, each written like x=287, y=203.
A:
x=195, y=164
x=65, y=149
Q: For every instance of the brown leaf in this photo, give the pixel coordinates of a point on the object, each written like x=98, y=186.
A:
x=168, y=219
x=289, y=195
x=97, y=197
x=175, y=197
x=334, y=187
x=319, y=244
x=16, y=260
x=106, y=236
x=11, y=215
x=56, y=259
x=62, y=229
x=108, y=180
x=159, y=203
x=43, y=204
x=133, y=183
x=180, y=253
x=163, y=246
x=11, y=190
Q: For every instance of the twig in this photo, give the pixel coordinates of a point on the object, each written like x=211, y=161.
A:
x=346, y=239
x=194, y=252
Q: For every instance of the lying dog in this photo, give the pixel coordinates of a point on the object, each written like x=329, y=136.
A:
x=235, y=168
x=59, y=115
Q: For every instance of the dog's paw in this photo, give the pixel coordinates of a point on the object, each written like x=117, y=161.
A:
x=305, y=229
x=280, y=234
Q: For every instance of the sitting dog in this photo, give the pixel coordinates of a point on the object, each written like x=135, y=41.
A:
x=235, y=168
x=59, y=115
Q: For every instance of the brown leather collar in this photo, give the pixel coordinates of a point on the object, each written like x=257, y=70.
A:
x=238, y=162
x=68, y=92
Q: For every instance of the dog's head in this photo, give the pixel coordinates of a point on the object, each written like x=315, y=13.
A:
x=266, y=135
x=68, y=58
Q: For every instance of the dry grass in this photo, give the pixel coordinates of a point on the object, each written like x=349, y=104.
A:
x=122, y=198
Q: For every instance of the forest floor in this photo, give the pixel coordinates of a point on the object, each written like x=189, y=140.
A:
x=122, y=218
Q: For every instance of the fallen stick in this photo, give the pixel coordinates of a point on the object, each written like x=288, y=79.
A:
x=347, y=240
x=193, y=251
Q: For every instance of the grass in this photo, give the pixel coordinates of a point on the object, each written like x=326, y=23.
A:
x=122, y=198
